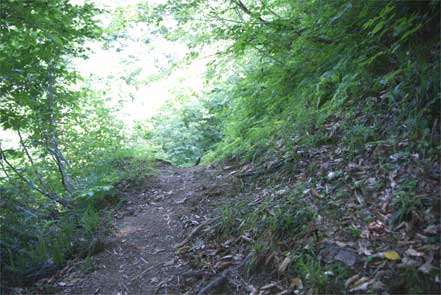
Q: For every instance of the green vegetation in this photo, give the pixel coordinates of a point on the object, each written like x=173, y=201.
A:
x=298, y=63
x=344, y=96
x=62, y=151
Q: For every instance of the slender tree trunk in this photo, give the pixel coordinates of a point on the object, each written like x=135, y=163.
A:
x=51, y=140
x=44, y=186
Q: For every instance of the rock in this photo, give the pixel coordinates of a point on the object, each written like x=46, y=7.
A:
x=347, y=257
x=332, y=175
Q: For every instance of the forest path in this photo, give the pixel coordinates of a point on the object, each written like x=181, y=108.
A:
x=141, y=259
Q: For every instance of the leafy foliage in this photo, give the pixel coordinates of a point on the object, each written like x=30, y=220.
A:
x=283, y=75
x=59, y=156
x=182, y=131
x=296, y=63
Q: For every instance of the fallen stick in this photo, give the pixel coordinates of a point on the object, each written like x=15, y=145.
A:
x=217, y=281
x=198, y=273
x=196, y=230
x=142, y=273
x=222, y=277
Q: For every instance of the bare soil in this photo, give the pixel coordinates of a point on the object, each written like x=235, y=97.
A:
x=141, y=258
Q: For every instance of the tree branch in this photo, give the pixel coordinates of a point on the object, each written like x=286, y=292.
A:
x=37, y=173
x=29, y=181
x=245, y=9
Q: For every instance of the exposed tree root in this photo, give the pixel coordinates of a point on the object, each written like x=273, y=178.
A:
x=222, y=277
x=196, y=230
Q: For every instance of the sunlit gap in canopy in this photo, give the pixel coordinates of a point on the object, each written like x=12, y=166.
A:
x=134, y=70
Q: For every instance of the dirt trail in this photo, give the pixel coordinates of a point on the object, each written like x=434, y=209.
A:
x=141, y=259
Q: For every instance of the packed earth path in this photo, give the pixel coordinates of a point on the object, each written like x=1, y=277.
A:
x=141, y=257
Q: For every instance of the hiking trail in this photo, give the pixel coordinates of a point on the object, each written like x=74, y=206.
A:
x=141, y=257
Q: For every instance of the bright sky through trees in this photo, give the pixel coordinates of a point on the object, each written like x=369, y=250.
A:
x=132, y=54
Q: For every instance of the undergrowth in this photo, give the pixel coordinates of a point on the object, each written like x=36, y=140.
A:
x=37, y=243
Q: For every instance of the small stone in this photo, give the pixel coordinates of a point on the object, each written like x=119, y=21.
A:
x=347, y=257
x=332, y=175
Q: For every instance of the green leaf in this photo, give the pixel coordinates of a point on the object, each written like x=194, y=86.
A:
x=378, y=27
x=56, y=39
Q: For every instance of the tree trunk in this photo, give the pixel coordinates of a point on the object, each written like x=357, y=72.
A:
x=51, y=140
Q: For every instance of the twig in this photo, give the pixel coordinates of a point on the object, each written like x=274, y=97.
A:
x=196, y=230
x=36, y=172
x=30, y=182
x=245, y=9
x=268, y=170
x=143, y=272
x=222, y=277
x=216, y=282
x=197, y=273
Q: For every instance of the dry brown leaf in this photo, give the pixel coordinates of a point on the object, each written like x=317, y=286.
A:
x=360, y=285
x=269, y=258
x=296, y=283
x=351, y=280
x=284, y=264
x=315, y=193
x=222, y=264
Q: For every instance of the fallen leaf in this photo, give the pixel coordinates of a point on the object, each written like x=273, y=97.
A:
x=246, y=238
x=315, y=193
x=251, y=289
x=413, y=252
x=296, y=283
x=427, y=266
x=222, y=264
x=406, y=262
x=269, y=258
x=378, y=285
x=351, y=280
x=360, y=285
x=362, y=249
x=343, y=244
x=227, y=257
x=392, y=255
x=431, y=229
x=284, y=264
